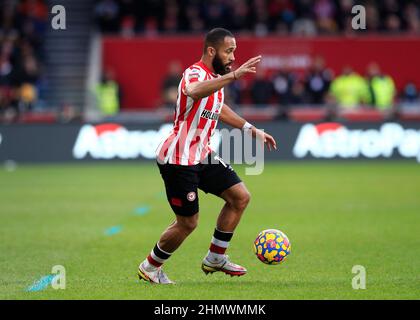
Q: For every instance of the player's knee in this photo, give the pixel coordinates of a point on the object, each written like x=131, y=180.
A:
x=241, y=202
x=188, y=224
x=246, y=197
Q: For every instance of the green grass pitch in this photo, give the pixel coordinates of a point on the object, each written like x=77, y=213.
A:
x=336, y=215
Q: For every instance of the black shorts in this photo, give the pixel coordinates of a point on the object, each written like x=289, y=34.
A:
x=182, y=182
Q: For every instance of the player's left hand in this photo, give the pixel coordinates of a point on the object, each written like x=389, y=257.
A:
x=269, y=141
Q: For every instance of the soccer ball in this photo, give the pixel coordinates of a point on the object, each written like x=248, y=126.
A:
x=272, y=246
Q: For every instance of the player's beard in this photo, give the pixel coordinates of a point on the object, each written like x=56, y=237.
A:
x=218, y=65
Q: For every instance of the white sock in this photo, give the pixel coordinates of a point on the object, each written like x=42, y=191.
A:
x=215, y=257
x=148, y=266
x=219, y=244
x=155, y=259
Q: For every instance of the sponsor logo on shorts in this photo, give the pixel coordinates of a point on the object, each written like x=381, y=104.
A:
x=176, y=202
x=191, y=196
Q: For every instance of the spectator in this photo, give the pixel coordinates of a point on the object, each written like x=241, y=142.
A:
x=28, y=96
x=304, y=8
x=298, y=95
x=281, y=14
x=412, y=18
x=283, y=83
x=129, y=8
x=32, y=38
x=26, y=78
x=35, y=9
x=34, y=18
x=191, y=19
x=234, y=92
x=170, y=84
x=281, y=29
x=263, y=18
x=68, y=114
x=260, y=19
x=128, y=25
x=261, y=89
x=410, y=95
x=300, y=17
x=215, y=13
x=388, y=7
x=304, y=27
x=372, y=18
x=108, y=95
x=107, y=15
x=381, y=88
x=318, y=81
x=325, y=11
x=8, y=104
x=4, y=101
x=28, y=70
x=170, y=23
x=348, y=30
x=151, y=27
x=343, y=13
x=349, y=90
x=393, y=24
x=6, y=70
x=22, y=29
x=240, y=16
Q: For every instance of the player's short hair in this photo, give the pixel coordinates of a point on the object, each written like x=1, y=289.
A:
x=215, y=37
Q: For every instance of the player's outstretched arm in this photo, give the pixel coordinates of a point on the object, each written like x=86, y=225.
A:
x=201, y=89
x=233, y=119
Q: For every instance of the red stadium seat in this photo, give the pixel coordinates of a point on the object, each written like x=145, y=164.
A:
x=362, y=114
x=267, y=113
x=36, y=117
x=308, y=114
x=409, y=114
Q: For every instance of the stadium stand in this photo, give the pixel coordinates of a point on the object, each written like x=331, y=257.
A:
x=313, y=95
x=46, y=75
x=22, y=30
x=260, y=17
x=43, y=71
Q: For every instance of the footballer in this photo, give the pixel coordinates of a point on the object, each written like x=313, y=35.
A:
x=186, y=162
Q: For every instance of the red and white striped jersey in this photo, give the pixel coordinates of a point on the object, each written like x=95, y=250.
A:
x=194, y=121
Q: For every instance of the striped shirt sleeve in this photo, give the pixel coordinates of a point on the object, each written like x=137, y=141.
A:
x=191, y=75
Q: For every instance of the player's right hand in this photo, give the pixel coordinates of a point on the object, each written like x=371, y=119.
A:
x=247, y=67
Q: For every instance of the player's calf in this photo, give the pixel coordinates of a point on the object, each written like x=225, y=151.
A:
x=171, y=239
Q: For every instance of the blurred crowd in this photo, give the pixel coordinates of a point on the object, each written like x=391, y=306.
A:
x=318, y=86
x=23, y=24
x=22, y=28
x=259, y=17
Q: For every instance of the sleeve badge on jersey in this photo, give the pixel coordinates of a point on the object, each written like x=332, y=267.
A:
x=193, y=75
